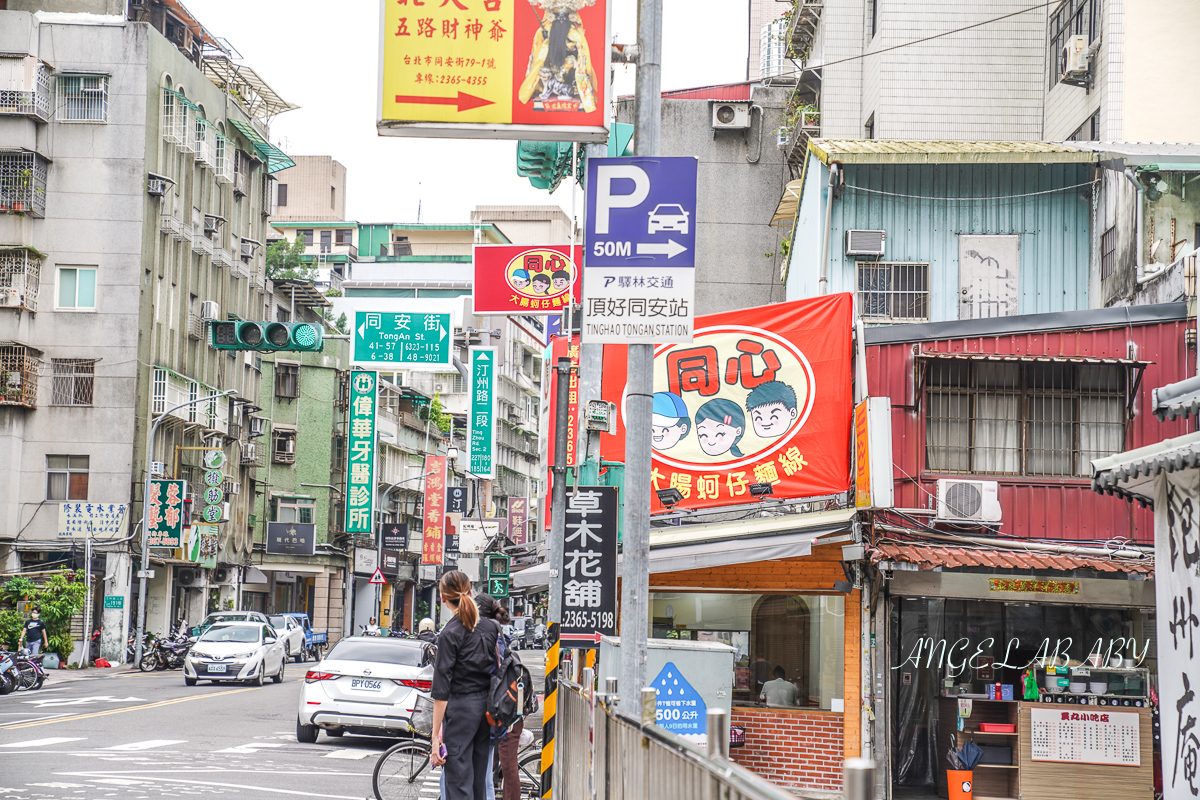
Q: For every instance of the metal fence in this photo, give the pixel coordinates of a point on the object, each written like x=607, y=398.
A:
x=635, y=760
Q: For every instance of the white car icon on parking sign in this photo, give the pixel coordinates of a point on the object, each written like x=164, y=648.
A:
x=668, y=217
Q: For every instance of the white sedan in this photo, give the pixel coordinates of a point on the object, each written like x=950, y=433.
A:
x=368, y=685
x=236, y=651
x=292, y=635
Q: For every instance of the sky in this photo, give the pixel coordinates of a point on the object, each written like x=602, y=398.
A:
x=327, y=63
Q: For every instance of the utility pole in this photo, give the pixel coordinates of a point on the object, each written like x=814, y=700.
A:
x=639, y=404
x=558, y=497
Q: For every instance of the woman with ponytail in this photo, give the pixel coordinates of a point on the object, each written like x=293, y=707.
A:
x=462, y=676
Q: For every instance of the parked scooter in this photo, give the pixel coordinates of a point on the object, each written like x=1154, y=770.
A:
x=10, y=678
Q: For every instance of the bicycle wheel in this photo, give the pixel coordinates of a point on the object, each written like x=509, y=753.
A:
x=531, y=775
x=403, y=772
x=29, y=675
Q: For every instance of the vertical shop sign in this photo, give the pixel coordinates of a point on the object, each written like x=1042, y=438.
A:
x=483, y=411
x=360, y=487
x=164, y=519
x=433, y=545
x=589, y=588
x=561, y=347
x=518, y=514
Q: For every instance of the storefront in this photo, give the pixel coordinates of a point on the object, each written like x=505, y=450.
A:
x=964, y=626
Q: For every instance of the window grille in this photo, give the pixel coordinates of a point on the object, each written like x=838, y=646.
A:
x=1108, y=253
x=18, y=376
x=241, y=173
x=223, y=158
x=82, y=98
x=24, y=87
x=283, y=447
x=23, y=182
x=1034, y=418
x=893, y=291
x=204, y=140
x=175, y=119
x=287, y=380
x=74, y=381
x=67, y=478
x=20, y=269
x=1073, y=17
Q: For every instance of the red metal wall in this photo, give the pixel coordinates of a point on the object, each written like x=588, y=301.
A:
x=1039, y=507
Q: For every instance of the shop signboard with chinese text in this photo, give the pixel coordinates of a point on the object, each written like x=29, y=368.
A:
x=1177, y=597
x=200, y=545
x=391, y=562
x=474, y=534
x=164, y=517
x=360, y=478
x=292, y=538
x=390, y=339
x=433, y=546
x=1085, y=735
x=518, y=515
x=524, y=280
x=394, y=535
x=639, y=283
x=366, y=560
x=456, y=500
x=762, y=396
x=98, y=520
x=561, y=347
x=873, y=453
x=589, y=577
x=482, y=437
x=495, y=69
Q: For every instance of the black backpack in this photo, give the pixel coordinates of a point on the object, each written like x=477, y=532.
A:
x=511, y=695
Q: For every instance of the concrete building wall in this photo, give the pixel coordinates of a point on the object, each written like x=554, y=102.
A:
x=546, y=224
x=841, y=35
x=316, y=190
x=737, y=252
x=1158, y=66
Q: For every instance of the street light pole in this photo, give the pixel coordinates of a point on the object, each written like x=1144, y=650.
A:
x=141, y=624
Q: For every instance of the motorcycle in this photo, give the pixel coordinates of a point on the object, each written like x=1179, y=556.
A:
x=10, y=677
x=165, y=654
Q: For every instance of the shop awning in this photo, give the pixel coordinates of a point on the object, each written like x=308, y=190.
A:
x=721, y=544
x=278, y=566
x=785, y=212
x=927, y=557
x=1177, y=399
x=1132, y=474
x=275, y=158
x=254, y=575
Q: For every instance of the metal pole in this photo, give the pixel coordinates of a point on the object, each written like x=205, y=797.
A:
x=589, y=688
x=635, y=569
x=649, y=699
x=87, y=606
x=859, y=779
x=718, y=733
x=141, y=623
x=558, y=499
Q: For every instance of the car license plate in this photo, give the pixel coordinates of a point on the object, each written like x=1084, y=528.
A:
x=366, y=684
x=217, y=667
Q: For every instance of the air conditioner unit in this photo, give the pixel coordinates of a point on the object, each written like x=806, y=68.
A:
x=288, y=445
x=188, y=577
x=226, y=576
x=209, y=310
x=968, y=500
x=730, y=116
x=231, y=487
x=250, y=452
x=10, y=298
x=248, y=247
x=1075, y=57
x=257, y=426
x=864, y=243
x=156, y=186
x=158, y=469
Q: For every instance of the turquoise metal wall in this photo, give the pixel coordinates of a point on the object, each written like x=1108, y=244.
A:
x=926, y=207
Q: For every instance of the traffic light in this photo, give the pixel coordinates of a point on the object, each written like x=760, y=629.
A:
x=546, y=164
x=267, y=336
x=496, y=567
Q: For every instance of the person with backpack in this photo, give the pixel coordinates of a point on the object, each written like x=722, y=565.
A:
x=510, y=744
x=462, y=684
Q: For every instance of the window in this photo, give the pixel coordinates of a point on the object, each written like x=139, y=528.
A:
x=77, y=288
x=23, y=182
x=1073, y=18
x=283, y=449
x=1089, y=131
x=282, y=314
x=73, y=382
x=343, y=236
x=83, y=98
x=306, y=235
x=869, y=128
x=326, y=241
x=893, y=292
x=66, y=478
x=338, y=446
x=333, y=197
x=1026, y=418
x=287, y=380
x=801, y=634
x=1108, y=252
x=281, y=191
x=293, y=509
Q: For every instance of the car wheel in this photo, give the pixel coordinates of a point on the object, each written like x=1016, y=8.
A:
x=188, y=681
x=278, y=677
x=261, y=677
x=335, y=732
x=306, y=734
x=303, y=657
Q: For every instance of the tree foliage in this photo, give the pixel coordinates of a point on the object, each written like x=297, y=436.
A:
x=439, y=417
x=285, y=262
x=60, y=598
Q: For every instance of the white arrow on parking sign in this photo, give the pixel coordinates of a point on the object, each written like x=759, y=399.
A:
x=671, y=249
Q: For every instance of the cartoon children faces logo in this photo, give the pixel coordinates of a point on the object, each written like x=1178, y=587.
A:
x=542, y=274
x=733, y=395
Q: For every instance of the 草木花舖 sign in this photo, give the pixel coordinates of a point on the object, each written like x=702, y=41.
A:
x=495, y=69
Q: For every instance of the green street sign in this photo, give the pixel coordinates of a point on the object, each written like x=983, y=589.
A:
x=388, y=339
x=114, y=601
x=482, y=440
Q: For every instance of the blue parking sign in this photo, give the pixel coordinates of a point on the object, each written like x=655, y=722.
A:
x=641, y=212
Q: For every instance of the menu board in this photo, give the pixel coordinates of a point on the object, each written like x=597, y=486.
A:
x=1085, y=737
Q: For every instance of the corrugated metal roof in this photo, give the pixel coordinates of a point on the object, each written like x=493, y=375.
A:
x=1131, y=474
x=1165, y=155
x=929, y=557
x=1046, y=359
x=905, y=151
x=1177, y=399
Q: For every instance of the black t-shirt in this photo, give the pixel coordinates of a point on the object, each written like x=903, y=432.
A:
x=34, y=629
x=465, y=658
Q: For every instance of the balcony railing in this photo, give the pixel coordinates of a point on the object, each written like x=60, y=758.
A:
x=223, y=258
x=184, y=234
x=169, y=224
x=195, y=327
x=20, y=269
x=25, y=89
x=239, y=269
x=23, y=182
x=18, y=376
x=170, y=389
x=201, y=243
x=328, y=279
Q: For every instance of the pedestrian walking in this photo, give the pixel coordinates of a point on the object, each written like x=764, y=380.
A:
x=462, y=677
x=35, y=633
x=508, y=747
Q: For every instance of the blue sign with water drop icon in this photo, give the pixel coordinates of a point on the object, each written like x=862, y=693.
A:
x=681, y=709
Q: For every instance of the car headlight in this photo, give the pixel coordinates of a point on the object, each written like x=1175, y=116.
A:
x=243, y=656
x=196, y=655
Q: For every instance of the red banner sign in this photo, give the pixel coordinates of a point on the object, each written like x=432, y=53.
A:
x=524, y=279
x=761, y=396
x=433, y=543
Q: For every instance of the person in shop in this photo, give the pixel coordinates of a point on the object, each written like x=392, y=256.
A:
x=778, y=691
x=760, y=668
x=426, y=631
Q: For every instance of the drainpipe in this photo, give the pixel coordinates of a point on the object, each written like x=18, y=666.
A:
x=1143, y=275
x=834, y=169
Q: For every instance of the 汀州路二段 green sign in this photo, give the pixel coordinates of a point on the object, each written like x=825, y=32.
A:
x=385, y=338
x=483, y=411
x=360, y=480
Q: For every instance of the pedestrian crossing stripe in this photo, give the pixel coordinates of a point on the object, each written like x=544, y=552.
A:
x=149, y=744
x=45, y=742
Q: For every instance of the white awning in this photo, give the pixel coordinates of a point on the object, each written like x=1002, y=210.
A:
x=721, y=544
x=254, y=575
x=307, y=569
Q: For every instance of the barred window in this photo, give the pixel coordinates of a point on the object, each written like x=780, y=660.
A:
x=83, y=98
x=893, y=292
x=283, y=448
x=1108, y=252
x=73, y=382
x=1022, y=418
x=66, y=478
x=287, y=380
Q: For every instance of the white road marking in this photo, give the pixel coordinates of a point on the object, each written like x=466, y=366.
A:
x=147, y=745
x=44, y=742
x=351, y=755
x=55, y=702
x=119, y=781
x=252, y=747
x=190, y=782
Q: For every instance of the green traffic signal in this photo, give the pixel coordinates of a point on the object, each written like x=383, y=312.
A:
x=267, y=337
x=498, y=566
